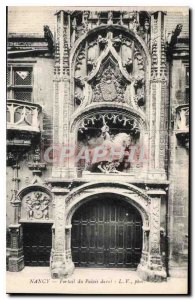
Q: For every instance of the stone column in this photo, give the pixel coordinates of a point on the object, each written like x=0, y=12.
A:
x=145, y=249
x=68, y=244
x=151, y=268
x=159, y=97
x=16, y=258
x=62, y=100
x=61, y=263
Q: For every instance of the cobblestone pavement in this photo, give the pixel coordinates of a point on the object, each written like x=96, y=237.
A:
x=90, y=281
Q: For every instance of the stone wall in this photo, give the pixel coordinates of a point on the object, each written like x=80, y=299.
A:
x=43, y=95
x=178, y=172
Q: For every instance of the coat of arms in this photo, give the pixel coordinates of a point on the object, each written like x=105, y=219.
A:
x=109, y=87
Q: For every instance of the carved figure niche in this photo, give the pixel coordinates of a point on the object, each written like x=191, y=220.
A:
x=112, y=134
x=110, y=67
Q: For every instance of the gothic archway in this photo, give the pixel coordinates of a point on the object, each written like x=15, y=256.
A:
x=108, y=76
x=110, y=65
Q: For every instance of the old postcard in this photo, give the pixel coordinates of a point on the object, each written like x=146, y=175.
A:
x=98, y=150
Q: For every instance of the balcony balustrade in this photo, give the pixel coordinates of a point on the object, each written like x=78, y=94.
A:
x=24, y=116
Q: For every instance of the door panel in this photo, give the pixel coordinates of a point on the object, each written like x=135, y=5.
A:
x=37, y=243
x=106, y=233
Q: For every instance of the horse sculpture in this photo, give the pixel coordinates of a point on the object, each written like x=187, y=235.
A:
x=114, y=148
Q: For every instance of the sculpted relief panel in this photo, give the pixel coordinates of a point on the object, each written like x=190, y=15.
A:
x=109, y=67
x=110, y=86
x=109, y=70
x=108, y=142
x=36, y=206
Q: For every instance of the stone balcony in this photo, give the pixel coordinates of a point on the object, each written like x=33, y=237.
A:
x=24, y=116
x=24, y=123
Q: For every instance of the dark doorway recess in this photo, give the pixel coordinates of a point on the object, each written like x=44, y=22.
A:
x=37, y=243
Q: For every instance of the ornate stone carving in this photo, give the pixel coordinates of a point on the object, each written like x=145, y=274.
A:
x=91, y=64
x=36, y=166
x=143, y=199
x=14, y=200
x=154, y=60
x=182, y=118
x=138, y=22
x=139, y=82
x=59, y=223
x=79, y=98
x=163, y=117
x=108, y=63
x=139, y=57
x=182, y=125
x=49, y=37
x=37, y=205
x=79, y=60
x=128, y=64
x=19, y=43
x=102, y=41
x=108, y=167
x=28, y=116
x=61, y=70
x=139, y=99
x=117, y=41
x=110, y=163
x=172, y=39
x=155, y=227
x=110, y=87
x=85, y=22
x=129, y=123
x=16, y=257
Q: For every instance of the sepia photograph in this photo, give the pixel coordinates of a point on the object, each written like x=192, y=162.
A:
x=97, y=146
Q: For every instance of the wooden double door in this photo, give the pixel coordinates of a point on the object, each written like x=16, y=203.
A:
x=106, y=232
x=37, y=244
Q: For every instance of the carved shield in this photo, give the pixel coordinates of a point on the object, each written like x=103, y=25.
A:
x=108, y=90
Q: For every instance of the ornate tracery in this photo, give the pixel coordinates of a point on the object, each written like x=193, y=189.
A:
x=109, y=67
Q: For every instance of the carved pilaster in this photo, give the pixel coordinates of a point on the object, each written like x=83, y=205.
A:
x=150, y=267
x=62, y=90
x=15, y=202
x=158, y=93
x=61, y=262
x=155, y=226
x=16, y=258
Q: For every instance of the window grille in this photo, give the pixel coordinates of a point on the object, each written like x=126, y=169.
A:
x=8, y=76
x=22, y=77
x=19, y=81
x=22, y=94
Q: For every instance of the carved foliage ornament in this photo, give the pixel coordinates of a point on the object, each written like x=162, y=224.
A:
x=155, y=226
x=129, y=123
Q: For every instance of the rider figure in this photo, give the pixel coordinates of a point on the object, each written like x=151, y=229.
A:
x=105, y=133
